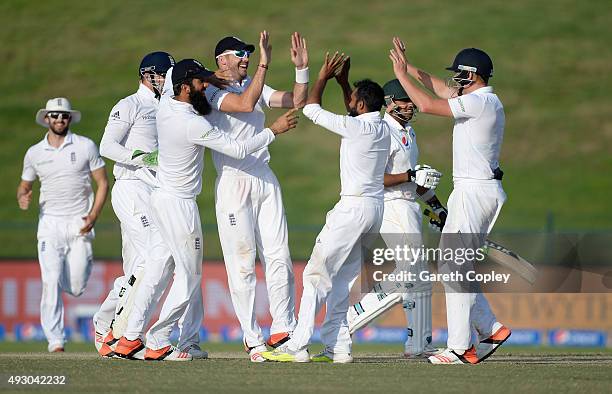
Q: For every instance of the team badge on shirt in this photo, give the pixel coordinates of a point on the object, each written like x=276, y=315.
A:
x=73, y=157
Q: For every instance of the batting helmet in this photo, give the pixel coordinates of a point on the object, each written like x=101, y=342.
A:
x=156, y=62
x=474, y=60
x=394, y=90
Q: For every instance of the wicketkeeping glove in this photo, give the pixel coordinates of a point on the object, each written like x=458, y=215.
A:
x=424, y=175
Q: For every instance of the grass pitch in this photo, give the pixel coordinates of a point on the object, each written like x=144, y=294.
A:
x=377, y=368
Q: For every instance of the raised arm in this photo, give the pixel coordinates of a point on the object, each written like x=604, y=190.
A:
x=343, y=80
x=424, y=102
x=245, y=102
x=297, y=97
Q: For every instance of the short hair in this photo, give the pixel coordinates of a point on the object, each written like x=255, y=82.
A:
x=176, y=88
x=372, y=95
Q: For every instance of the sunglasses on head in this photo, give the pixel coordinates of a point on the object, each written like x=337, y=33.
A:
x=242, y=54
x=59, y=115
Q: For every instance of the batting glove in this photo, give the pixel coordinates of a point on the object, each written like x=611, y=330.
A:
x=424, y=175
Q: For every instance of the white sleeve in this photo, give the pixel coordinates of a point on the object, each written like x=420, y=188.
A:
x=468, y=106
x=215, y=96
x=344, y=125
x=117, y=128
x=29, y=172
x=266, y=95
x=95, y=161
x=168, y=90
x=392, y=152
x=202, y=133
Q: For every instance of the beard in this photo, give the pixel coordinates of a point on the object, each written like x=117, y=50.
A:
x=59, y=129
x=199, y=101
x=353, y=112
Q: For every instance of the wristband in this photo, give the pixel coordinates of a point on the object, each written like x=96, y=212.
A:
x=263, y=65
x=301, y=76
x=428, y=195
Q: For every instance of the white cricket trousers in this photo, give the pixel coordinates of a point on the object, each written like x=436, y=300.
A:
x=332, y=269
x=251, y=218
x=65, y=259
x=401, y=226
x=178, y=222
x=130, y=201
x=473, y=207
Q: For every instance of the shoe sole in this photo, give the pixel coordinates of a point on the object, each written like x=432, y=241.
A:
x=497, y=342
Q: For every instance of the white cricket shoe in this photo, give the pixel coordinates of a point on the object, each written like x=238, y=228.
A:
x=330, y=357
x=168, y=353
x=196, y=352
x=55, y=347
x=449, y=356
x=255, y=353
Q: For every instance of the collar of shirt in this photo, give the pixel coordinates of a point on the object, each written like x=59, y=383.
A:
x=67, y=141
x=484, y=89
x=394, y=123
x=370, y=116
x=146, y=93
x=181, y=106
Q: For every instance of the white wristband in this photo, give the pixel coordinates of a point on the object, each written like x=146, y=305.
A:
x=301, y=76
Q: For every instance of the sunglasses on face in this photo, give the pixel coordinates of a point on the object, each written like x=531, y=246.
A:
x=239, y=54
x=59, y=115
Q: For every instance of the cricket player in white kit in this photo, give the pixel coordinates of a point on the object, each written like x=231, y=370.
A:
x=401, y=225
x=337, y=255
x=130, y=139
x=249, y=206
x=478, y=196
x=64, y=163
x=183, y=133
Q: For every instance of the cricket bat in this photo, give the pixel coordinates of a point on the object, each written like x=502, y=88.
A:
x=500, y=255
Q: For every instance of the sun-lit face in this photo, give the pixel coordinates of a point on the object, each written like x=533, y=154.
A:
x=58, y=122
x=236, y=62
x=401, y=110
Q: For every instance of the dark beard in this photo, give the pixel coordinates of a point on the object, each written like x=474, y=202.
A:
x=199, y=102
x=353, y=112
x=59, y=133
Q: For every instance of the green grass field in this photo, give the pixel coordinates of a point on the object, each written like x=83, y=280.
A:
x=377, y=369
x=551, y=71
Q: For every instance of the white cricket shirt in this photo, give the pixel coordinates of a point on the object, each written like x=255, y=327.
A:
x=182, y=136
x=64, y=174
x=240, y=126
x=403, y=156
x=131, y=126
x=364, y=149
x=478, y=133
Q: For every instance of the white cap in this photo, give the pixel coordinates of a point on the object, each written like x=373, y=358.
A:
x=58, y=104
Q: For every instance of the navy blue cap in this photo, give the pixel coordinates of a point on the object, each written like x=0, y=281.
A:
x=187, y=69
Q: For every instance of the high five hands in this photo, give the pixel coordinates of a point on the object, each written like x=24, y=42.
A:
x=332, y=65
